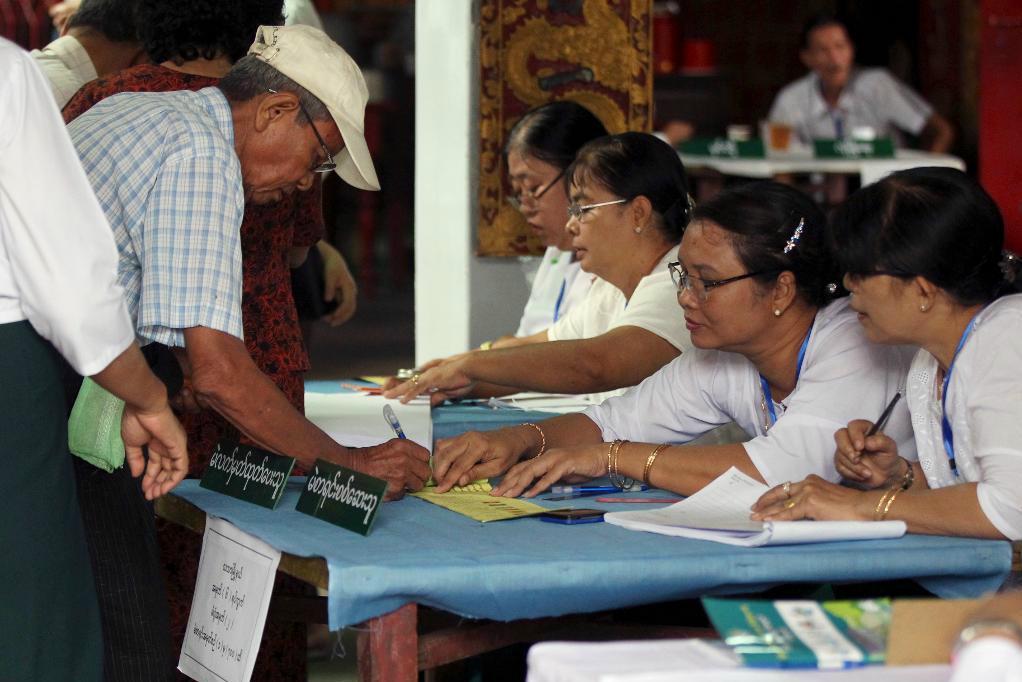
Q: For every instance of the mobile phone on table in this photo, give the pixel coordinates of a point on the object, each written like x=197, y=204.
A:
x=573, y=516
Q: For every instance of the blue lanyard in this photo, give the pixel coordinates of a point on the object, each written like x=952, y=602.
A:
x=839, y=124
x=560, y=299
x=945, y=425
x=798, y=370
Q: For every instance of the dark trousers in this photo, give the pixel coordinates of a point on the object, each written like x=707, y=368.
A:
x=121, y=537
x=49, y=621
x=120, y=531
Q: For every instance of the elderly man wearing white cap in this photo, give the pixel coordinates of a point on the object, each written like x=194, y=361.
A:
x=173, y=172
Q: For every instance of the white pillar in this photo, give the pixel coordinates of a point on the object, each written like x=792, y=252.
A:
x=445, y=125
x=460, y=299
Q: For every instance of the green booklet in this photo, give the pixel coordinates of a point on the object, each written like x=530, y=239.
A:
x=803, y=634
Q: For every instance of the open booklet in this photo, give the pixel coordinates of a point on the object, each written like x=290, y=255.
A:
x=474, y=501
x=720, y=512
x=356, y=419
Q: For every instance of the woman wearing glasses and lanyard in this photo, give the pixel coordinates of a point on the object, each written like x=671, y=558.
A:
x=773, y=353
x=541, y=147
x=922, y=249
x=629, y=207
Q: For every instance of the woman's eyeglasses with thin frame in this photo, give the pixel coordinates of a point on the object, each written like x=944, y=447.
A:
x=516, y=200
x=700, y=287
x=575, y=211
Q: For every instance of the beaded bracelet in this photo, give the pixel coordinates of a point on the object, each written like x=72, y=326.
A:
x=542, y=436
x=649, y=462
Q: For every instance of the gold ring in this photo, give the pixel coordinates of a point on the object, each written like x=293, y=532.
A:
x=789, y=504
x=415, y=378
x=787, y=488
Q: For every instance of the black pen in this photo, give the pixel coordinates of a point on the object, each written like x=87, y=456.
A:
x=884, y=416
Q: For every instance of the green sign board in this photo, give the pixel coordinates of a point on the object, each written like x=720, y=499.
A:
x=723, y=148
x=882, y=148
x=247, y=473
x=341, y=496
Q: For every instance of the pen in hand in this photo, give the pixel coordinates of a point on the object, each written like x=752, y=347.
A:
x=881, y=422
x=388, y=414
x=884, y=416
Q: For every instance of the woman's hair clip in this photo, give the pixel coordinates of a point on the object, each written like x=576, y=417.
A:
x=795, y=236
x=1009, y=266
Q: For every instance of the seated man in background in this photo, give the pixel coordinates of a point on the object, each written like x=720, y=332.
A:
x=837, y=97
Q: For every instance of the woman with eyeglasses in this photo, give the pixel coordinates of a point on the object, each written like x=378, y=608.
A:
x=773, y=352
x=922, y=253
x=539, y=150
x=629, y=206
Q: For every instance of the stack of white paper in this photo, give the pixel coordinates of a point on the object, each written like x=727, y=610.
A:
x=356, y=419
x=562, y=403
x=720, y=512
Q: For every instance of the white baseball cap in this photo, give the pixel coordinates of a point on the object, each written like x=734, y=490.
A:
x=308, y=57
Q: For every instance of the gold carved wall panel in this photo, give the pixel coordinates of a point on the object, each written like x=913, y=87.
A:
x=594, y=52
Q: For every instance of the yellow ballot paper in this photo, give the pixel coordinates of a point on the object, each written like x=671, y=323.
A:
x=475, y=502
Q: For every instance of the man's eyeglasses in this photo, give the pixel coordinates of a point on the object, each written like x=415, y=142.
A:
x=328, y=165
x=518, y=199
x=701, y=288
x=575, y=211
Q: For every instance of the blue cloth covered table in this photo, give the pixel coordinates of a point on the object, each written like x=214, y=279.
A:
x=527, y=568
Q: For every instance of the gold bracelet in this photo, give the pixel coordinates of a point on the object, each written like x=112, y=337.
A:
x=610, y=456
x=649, y=461
x=616, y=478
x=890, y=501
x=880, y=504
x=542, y=445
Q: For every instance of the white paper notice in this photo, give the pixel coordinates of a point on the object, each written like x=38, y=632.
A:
x=232, y=595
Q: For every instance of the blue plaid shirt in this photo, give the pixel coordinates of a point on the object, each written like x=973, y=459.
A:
x=164, y=169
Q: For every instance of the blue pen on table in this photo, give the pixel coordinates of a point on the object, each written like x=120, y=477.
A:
x=576, y=489
x=388, y=414
x=567, y=492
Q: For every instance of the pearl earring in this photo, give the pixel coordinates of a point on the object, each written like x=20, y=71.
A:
x=638, y=230
x=777, y=312
x=923, y=308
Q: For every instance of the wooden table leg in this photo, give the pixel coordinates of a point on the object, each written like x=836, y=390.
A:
x=388, y=650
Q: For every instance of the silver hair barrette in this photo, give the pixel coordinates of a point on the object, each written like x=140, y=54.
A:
x=1009, y=266
x=795, y=236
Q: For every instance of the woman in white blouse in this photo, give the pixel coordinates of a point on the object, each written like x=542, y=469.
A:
x=540, y=148
x=922, y=249
x=773, y=352
x=629, y=197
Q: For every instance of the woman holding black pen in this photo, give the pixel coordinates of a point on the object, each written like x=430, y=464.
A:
x=777, y=350
x=922, y=249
